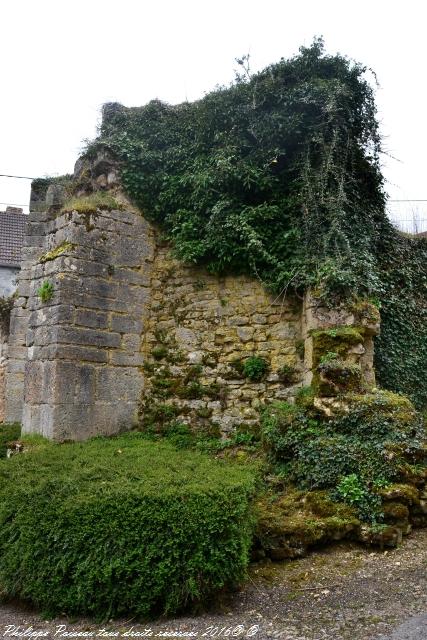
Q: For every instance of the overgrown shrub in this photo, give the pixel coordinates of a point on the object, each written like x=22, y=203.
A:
x=121, y=526
x=354, y=492
x=279, y=176
x=274, y=175
x=8, y=433
x=255, y=368
x=377, y=438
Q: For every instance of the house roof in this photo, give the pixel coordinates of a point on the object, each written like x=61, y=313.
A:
x=12, y=228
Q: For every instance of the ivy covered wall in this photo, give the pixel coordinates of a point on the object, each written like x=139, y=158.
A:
x=279, y=177
x=401, y=348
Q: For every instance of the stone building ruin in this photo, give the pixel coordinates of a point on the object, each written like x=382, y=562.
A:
x=130, y=334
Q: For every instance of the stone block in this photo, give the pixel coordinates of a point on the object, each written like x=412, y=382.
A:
x=88, y=337
x=123, y=323
x=85, y=385
x=238, y=320
x=118, y=384
x=245, y=333
x=33, y=386
x=77, y=352
x=125, y=359
x=91, y=318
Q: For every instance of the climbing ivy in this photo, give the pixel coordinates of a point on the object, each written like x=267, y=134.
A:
x=270, y=176
x=279, y=176
x=401, y=349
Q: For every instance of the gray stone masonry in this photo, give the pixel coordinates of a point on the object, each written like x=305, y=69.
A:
x=75, y=367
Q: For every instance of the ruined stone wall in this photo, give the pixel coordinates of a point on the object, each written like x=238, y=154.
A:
x=200, y=332
x=132, y=337
x=129, y=333
x=74, y=368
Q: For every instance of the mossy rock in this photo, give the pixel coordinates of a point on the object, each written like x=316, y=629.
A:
x=291, y=522
x=406, y=493
x=395, y=512
x=159, y=352
x=337, y=340
x=337, y=377
x=381, y=536
x=366, y=313
x=393, y=405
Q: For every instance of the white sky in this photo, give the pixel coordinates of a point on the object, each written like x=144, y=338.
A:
x=60, y=61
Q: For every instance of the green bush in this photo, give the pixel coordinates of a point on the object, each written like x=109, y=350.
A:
x=353, y=492
x=255, y=368
x=8, y=433
x=121, y=526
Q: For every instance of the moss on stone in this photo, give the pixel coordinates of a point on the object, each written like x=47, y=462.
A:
x=395, y=512
x=192, y=373
x=300, y=348
x=191, y=391
x=337, y=340
x=392, y=406
x=57, y=251
x=204, y=412
x=304, y=398
x=399, y=491
x=290, y=522
x=288, y=375
x=98, y=200
x=366, y=310
x=337, y=376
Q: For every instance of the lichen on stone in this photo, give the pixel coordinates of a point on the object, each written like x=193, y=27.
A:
x=57, y=251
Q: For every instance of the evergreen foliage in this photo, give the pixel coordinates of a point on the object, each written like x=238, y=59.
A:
x=279, y=176
x=401, y=348
x=121, y=526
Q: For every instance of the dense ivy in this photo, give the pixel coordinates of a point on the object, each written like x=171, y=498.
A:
x=279, y=176
x=273, y=175
x=401, y=349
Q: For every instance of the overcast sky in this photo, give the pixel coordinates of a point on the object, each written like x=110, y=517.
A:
x=61, y=61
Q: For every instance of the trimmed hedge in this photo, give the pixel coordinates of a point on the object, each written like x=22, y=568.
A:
x=121, y=526
x=9, y=431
